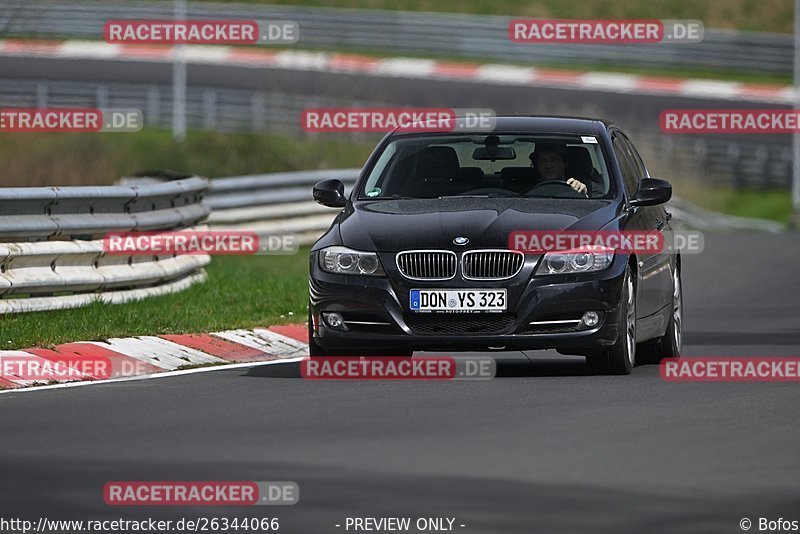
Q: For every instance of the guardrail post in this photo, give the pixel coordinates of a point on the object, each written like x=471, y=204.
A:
x=785, y=180
x=179, y=80
x=762, y=159
x=101, y=97
x=700, y=151
x=41, y=95
x=209, y=109
x=153, y=106
x=257, y=108
x=734, y=160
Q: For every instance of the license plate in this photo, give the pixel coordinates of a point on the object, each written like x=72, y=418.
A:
x=458, y=300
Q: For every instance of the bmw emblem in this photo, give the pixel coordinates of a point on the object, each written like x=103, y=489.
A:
x=460, y=241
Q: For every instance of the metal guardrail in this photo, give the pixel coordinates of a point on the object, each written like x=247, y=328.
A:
x=474, y=36
x=52, y=255
x=274, y=204
x=64, y=212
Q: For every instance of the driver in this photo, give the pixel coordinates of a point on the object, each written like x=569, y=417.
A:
x=550, y=161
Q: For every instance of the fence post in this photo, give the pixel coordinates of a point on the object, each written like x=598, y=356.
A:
x=762, y=158
x=153, y=106
x=41, y=94
x=209, y=109
x=787, y=162
x=257, y=105
x=101, y=97
x=734, y=159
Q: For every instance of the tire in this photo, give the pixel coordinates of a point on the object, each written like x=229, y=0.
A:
x=316, y=350
x=620, y=358
x=669, y=345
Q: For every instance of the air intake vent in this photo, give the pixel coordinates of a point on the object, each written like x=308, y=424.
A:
x=427, y=264
x=491, y=264
x=428, y=324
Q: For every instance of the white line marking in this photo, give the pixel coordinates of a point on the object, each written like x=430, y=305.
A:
x=301, y=60
x=609, y=81
x=496, y=73
x=206, y=53
x=153, y=376
x=88, y=49
x=710, y=89
x=406, y=67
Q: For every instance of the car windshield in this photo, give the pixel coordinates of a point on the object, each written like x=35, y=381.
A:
x=495, y=165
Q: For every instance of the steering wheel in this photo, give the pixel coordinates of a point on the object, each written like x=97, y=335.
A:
x=491, y=190
x=556, y=186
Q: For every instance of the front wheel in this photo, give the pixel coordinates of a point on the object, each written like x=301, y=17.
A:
x=620, y=358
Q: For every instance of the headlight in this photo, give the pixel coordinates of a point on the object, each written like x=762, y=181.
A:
x=342, y=260
x=581, y=261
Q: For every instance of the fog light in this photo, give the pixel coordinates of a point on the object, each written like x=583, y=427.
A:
x=590, y=319
x=333, y=319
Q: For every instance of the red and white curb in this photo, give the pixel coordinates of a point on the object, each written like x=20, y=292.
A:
x=151, y=356
x=407, y=68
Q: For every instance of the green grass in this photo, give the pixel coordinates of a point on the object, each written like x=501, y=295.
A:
x=774, y=204
x=241, y=292
x=29, y=159
x=771, y=204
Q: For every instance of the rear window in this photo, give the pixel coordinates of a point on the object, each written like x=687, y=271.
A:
x=489, y=165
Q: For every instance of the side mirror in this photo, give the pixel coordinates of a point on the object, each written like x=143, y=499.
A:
x=330, y=193
x=652, y=192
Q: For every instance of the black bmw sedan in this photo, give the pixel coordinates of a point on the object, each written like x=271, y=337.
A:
x=424, y=255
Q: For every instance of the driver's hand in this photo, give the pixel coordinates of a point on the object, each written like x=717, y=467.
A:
x=577, y=186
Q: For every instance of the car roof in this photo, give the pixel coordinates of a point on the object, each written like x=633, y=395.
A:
x=534, y=124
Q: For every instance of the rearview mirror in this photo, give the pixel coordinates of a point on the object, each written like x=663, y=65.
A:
x=652, y=192
x=493, y=153
x=330, y=193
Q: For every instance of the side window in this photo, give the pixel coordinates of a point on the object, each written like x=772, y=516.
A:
x=637, y=159
x=630, y=175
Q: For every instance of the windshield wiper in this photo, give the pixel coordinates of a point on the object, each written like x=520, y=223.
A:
x=392, y=197
x=488, y=195
x=465, y=196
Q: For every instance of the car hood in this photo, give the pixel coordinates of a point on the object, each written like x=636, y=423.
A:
x=394, y=225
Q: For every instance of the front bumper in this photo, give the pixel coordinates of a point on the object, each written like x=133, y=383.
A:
x=376, y=311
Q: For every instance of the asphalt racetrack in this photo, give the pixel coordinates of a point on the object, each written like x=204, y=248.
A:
x=542, y=448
